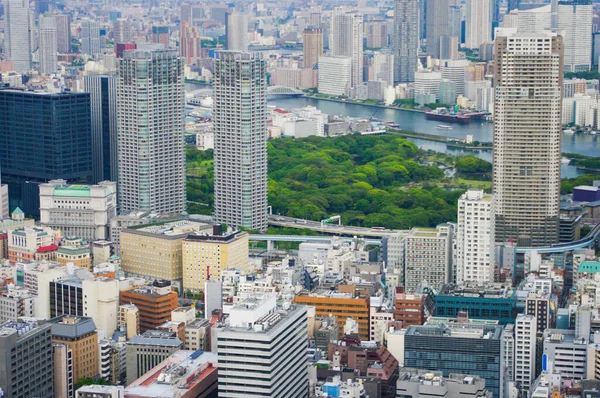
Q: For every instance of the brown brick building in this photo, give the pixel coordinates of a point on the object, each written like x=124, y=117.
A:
x=154, y=302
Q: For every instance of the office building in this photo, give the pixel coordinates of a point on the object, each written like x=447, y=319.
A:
x=525, y=350
x=383, y=67
x=437, y=25
x=427, y=82
x=16, y=303
x=575, y=19
x=17, y=44
x=151, y=157
x=455, y=71
x=416, y=383
x=312, y=47
x=455, y=22
x=263, y=351
x=154, y=303
x=237, y=31
x=103, y=102
x=48, y=44
x=90, y=38
x=566, y=353
x=80, y=335
x=472, y=348
x=540, y=308
x=376, y=34
x=43, y=136
x=449, y=47
x=475, y=238
x=447, y=92
x=160, y=35
x=409, y=308
x=204, y=256
x=63, y=33
x=240, y=130
x=197, y=335
x=406, y=39
x=78, y=210
x=26, y=352
x=335, y=75
x=527, y=137
x=190, y=42
x=100, y=391
x=428, y=257
x=147, y=350
x=122, y=31
x=347, y=41
x=64, y=385
x=478, y=22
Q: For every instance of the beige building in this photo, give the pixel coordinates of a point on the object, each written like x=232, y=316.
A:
x=197, y=334
x=129, y=319
x=313, y=46
x=205, y=256
x=63, y=371
x=154, y=252
x=80, y=335
x=79, y=256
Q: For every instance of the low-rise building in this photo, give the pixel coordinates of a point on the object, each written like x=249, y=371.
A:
x=154, y=302
x=78, y=255
x=16, y=303
x=415, y=383
x=31, y=243
x=197, y=335
x=147, y=350
x=100, y=391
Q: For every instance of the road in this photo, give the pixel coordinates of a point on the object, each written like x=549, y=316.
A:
x=334, y=229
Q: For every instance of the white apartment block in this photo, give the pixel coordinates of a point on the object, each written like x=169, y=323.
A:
x=263, y=351
x=428, y=257
x=575, y=20
x=84, y=211
x=347, y=41
x=428, y=82
x=335, y=75
x=582, y=110
x=455, y=70
x=525, y=350
x=475, y=238
x=150, y=125
x=478, y=22
x=527, y=137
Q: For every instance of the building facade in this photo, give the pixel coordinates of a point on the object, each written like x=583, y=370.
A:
x=347, y=41
x=17, y=44
x=90, y=38
x=80, y=335
x=335, y=75
x=63, y=33
x=312, y=47
x=48, y=44
x=478, y=22
x=149, y=349
x=154, y=303
x=406, y=39
x=575, y=19
x=428, y=257
x=237, y=31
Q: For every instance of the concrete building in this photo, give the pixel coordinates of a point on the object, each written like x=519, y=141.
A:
x=63, y=33
x=146, y=351
x=428, y=257
x=17, y=44
x=100, y=391
x=415, y=383
x=406, y=39
x=129, y=320
x=455, y=71
x=122, y=31
x=449, y=47
x=347, y=41
x=427, y=82
x=525, y=350
x=154, y=303
x=312, y=46
x=26, y=372
x=409, y=308
x=376, y=33
x=575, y=19
x=90, y=38
x=437, y=25
x=64, y=385
x=190, y=42
x=335, y=75
x=16, y=303
x=237, y=31
x=566, y=353
x=197, y=335
x=383, y=67
x=135, y=219
x=277, y=339
x=78, y=210
x=26, y=244
x=103, y=102
x=240, y=140
x=80, y=335
x=48, y=44
x=475, y=238
x=478, y=22
x=151, y=171
x=447, y=94
x=527, y=151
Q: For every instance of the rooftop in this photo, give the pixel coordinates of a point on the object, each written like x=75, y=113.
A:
x=156, y=338
x=72, y=326
x=169, y=230
x=487, y=291
x=471, y=331
x=22, y=327
x=589, y=266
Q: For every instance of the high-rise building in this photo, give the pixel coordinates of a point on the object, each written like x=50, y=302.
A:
x=478, y=22
x=150, y=137
x=122, y=31
x=455, y=21
x=449, y=47
x=383, y=67
x=253, y=349
x=48, y=44
x=376, y=33
x=313, y=46
x=103, y=101
x=575, y=19
x=437, y=25
x=80, y=335
x=237, y=31
x=17, y=43
x=240, y=129
x=26, y=352
x=527, y=137
x=475, y=238
x=525, y=350
x=428, y=257
x=63, y=33
x=189, y=43
x=406, y=39
x=90, y=38
x=335, y=75
x=347, y=40
x=43, y=137
x=455, y=71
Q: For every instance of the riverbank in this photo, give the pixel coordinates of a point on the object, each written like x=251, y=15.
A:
x=353, y=102
x=452, y=142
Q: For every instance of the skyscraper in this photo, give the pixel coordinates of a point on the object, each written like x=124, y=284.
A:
x=103, y=101
x=189, y=44
x=478, y=22
x=90, y=38
x=527, y=137
x=240, y=129
x=347, y=40
x=406, y=39
x=16, y=34
x=150, y=101
x=63, y=33
x=575, y=18
x=122, y=31
x=237, y=31
x=313, y=46
x=437, y=25
x=48, y=44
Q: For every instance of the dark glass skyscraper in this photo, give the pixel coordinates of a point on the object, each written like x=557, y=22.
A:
x=43, y=136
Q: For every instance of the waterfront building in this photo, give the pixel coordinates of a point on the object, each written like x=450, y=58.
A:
x=335, y=75
x=406, y=39
x=427, y=82
x=17, y=39
x=575, y=20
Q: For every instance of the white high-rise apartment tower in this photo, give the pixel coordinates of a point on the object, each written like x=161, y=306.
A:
x=16, y=34
x=478, y=22
x=240, y=129
x=48, y=44
x=525, y=350
x=150, y=103
x=575, y=20
x=90, y=38
x=527, y=137
x=475, y=238
x=406, y=39
x=347, y=40
x=237, y=32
